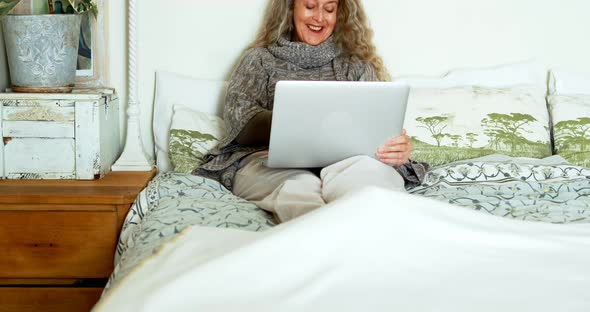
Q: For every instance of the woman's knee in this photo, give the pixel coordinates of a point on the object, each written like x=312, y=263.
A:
x=255, y=181
x=362, y=162
x=363, y=171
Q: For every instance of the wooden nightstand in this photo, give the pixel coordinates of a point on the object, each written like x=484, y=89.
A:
x=58, y=239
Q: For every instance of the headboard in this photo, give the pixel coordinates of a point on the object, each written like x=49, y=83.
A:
x=203, y=39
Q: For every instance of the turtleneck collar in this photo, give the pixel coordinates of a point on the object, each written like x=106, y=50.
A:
x=304, y=55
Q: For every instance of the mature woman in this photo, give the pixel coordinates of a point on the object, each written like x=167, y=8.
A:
x=302, y=40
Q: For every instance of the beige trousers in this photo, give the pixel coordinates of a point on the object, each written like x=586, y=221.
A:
x=289, y=193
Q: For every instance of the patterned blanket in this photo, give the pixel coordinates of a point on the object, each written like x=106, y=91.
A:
x=549, y=190
x=171, y=203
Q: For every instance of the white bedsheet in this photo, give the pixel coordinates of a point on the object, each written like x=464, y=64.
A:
x=418, y=255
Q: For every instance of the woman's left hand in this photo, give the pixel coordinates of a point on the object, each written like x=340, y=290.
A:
x=396, y=151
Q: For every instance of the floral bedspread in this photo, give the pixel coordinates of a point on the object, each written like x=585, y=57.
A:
x=171, y=203
x=549, y=190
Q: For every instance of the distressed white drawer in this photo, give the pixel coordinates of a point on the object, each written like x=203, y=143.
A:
x=30, y=158
x=39, y=113
x=38, y=129
x=59, y=136
x=46, y=100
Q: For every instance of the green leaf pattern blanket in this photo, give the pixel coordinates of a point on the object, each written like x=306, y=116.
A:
x=171, y=203
x=551, y=190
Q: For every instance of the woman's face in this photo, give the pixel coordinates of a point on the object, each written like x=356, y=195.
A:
x=314, y=20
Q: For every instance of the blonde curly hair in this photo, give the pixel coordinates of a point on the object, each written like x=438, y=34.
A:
x=352, y=33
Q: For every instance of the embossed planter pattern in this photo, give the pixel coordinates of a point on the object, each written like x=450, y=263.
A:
x=42, y=51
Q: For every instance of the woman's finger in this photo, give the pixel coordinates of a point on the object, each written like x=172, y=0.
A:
x=394, y=155
x=402, y=139
x=406, y=146
x=397, y=155
x=394, y=162
x=394, y=148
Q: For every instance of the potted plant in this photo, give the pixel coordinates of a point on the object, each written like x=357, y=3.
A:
x=42, y=49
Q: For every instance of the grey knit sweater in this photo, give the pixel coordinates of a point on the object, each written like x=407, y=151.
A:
x=251, y=91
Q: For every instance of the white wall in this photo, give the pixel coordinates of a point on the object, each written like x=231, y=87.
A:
x=202, y=38
x=431, y=37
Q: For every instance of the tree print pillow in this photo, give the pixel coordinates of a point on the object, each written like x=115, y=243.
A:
x=192, y=135
x=571, y=127
x=458, y=123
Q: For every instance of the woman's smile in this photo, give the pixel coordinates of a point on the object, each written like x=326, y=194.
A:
x=315, y=28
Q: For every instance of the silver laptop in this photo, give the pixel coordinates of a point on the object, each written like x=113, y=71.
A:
x=318, y=123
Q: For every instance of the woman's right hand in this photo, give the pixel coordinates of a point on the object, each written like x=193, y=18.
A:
x=396, y=151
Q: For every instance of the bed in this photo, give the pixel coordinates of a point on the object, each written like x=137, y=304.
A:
x=499, y=224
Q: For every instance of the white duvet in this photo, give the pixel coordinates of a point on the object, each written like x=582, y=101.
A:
x=416, y=255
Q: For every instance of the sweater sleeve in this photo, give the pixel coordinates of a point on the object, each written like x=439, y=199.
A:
x=245, y=112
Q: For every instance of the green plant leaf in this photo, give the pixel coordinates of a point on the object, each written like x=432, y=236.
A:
x=7, y=5
x=83, y=6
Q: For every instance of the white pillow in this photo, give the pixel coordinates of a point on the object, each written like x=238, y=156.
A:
x=564, y=82
x=525, y=73
x=569, y=104
x=196, y=94
x=570, y=115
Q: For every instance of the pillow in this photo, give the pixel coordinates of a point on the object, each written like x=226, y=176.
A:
x=197, y=94
x=192, y=135
x=458, y=123
x=569, y=105
x=470, y=113
x=567, y=82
